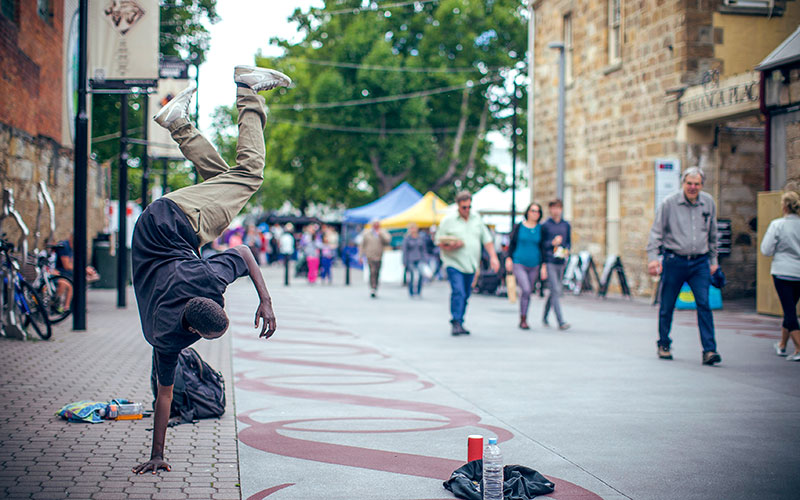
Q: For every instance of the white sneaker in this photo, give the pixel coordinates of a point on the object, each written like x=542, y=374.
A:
x=178, y=107
x=778, y=350
x=260, y=78
x=793, y=357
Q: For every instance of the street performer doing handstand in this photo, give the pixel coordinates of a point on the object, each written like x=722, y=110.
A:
x=178, y=293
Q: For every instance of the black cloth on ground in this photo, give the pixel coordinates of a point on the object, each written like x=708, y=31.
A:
x=167, y=272
x=519, y=482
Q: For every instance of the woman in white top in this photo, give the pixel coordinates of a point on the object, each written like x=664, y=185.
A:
x=782, y=242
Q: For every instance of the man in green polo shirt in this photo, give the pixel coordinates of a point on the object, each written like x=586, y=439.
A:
x=460, y=236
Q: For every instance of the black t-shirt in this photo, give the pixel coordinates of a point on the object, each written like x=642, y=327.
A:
x=167, y=272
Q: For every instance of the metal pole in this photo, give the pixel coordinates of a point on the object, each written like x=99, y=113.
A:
x=146, y=157
x=561, y=106
x=81, y=162
x=514, y=156
x=164, y=172
x=531, y=56
x=287, y=258
x=122, y=234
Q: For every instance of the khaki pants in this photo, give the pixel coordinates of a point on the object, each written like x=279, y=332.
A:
x=212, y=204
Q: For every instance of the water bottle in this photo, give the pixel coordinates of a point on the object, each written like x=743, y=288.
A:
x=130, y=411
x=492, y=471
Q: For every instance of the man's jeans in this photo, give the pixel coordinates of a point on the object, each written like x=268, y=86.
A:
x=555, y=273
x=414, y=273
x=695, y=272
x=460, y=290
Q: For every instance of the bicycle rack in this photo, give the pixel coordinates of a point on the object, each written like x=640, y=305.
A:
x=10, y=325
x=43, y=198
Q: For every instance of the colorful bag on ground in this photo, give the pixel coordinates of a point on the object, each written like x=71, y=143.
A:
x=84, y=411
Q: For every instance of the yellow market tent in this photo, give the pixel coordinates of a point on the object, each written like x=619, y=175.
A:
x=426, y=212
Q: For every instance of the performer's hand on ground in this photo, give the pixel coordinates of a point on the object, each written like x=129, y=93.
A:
x=154, y=464
x=654, y=267
x=265, y=314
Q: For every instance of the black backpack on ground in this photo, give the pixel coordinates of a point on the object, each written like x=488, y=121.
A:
x=199, y=390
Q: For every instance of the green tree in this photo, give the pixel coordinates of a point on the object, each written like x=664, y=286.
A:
x=276, y=183
x=352, y=153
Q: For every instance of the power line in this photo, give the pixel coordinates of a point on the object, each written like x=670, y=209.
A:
x=376, y=100
x=374, y=7
x=390, y=68
x=369, y=130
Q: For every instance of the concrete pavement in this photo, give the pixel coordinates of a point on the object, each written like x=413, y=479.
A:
x=44, y=457
x=356, y=398
x=373, y=399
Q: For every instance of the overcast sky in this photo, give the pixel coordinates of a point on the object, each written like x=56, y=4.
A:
x=246, y=26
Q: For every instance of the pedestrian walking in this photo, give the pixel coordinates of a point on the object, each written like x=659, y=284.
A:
x=415, y=258
x=329, y=245
x=525, y=258
x=460, y=237
x=373, y=242
x=310, y=243
x=782, y=243
x=684, y=233
x=556, y=244
x=179, y=294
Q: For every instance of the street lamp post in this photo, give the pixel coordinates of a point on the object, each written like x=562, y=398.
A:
x=561, y=91
x=81, y=163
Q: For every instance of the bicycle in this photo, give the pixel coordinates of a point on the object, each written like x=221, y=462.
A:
x=52, y=288
x=21, y=306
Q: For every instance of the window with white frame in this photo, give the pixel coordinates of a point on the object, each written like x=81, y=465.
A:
x=568, y=48
x=612, y=217
x=614, y=31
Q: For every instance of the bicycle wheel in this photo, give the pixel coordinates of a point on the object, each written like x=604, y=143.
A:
x=32, y=311
x=55, y=306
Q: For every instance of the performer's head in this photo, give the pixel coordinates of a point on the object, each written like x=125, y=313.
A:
x=205, y=317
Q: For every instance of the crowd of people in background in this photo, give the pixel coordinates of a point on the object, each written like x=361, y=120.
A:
x=467, y=253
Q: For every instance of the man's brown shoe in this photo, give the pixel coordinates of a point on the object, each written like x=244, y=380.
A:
x=711, y=357
x=663, y=353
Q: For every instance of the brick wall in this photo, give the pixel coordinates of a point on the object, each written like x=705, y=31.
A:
x=792, y=153
x=25, y=160
x=31, y=86
x=31, y=51
x=618, y=118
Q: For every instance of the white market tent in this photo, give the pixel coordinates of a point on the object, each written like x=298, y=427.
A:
x=494, y=206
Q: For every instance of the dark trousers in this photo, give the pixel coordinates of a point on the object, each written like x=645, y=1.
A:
x=460, y=290
x=374, y=273
x=789, y=294
x=555, y=273
x=696, y=272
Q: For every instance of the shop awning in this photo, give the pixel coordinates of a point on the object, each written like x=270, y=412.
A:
x=786, y=53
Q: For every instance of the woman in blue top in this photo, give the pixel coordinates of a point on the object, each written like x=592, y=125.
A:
x=525, y=258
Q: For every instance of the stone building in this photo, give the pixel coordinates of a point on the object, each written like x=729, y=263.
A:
x=37, y=49
x=653, y=87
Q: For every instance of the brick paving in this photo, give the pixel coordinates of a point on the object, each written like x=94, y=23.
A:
x=44, y=457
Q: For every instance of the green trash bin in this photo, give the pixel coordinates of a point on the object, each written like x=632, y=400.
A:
x=105, y=263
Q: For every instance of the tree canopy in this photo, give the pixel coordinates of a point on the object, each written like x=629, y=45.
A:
x=386, y=94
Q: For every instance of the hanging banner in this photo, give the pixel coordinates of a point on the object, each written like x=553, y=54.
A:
x=123, y=43
x=160, y=143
